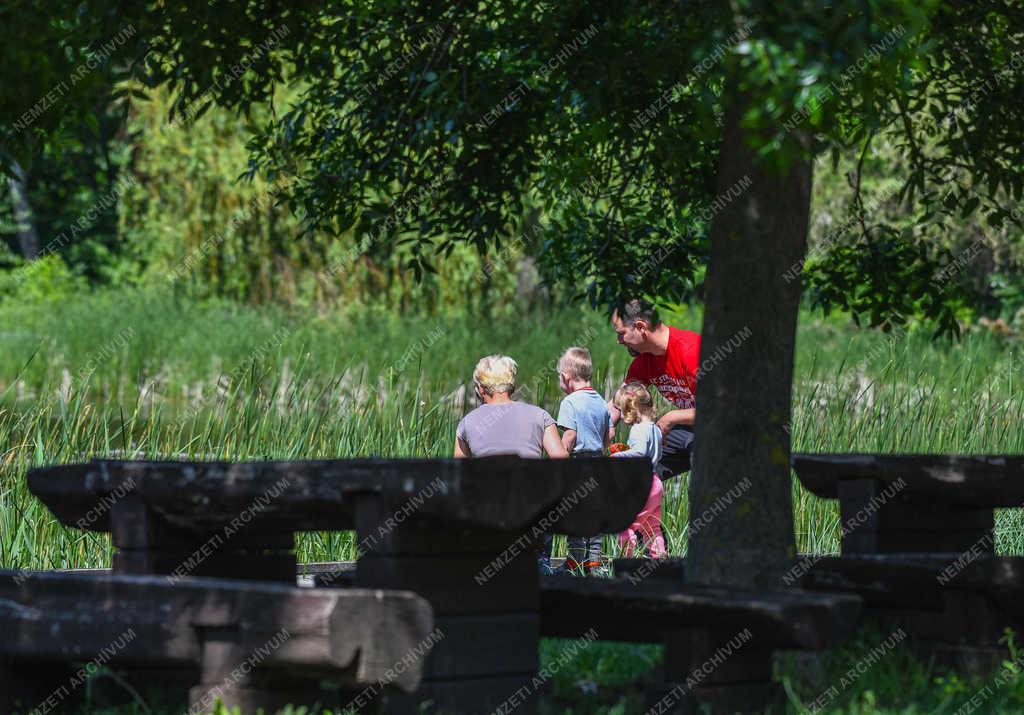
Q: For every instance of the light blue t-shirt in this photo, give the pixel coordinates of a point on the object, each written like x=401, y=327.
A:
x=586, y=412
x=644, y=441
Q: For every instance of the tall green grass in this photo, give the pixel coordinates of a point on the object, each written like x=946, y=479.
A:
x=151, y=374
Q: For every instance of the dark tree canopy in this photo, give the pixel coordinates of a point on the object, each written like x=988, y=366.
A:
x=598, y=122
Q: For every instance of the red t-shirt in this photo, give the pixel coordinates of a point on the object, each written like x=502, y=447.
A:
x=675, y=372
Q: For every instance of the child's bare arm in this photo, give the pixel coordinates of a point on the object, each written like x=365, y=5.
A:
x=614, y=413
x=553, y=445
x=569, y=440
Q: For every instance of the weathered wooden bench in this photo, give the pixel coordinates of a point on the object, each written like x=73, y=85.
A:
x=247, y=644
x=719, y=642
x=917, y=543
x=461, y=533
x=955, y=620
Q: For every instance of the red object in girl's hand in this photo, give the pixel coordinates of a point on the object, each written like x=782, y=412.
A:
x=618, y=447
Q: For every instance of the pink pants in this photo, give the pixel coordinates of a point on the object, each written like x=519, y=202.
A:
x=646, y=525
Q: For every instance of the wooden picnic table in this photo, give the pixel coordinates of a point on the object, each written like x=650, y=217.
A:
x=918, y=544
x=461, y=533
x=157, y=507
x=993, y=480
x=914, y=503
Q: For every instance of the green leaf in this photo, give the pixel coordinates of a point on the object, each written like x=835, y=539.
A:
x=969, y=207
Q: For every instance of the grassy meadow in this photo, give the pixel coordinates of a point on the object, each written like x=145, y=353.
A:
x=149, y=374
x=152, y=374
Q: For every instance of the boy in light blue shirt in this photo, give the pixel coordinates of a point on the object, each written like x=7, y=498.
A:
x=584, y=418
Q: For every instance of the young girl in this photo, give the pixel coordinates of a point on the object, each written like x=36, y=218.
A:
x=637, y=407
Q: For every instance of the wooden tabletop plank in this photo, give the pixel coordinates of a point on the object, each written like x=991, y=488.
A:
x=584, y=496
x=993, y=481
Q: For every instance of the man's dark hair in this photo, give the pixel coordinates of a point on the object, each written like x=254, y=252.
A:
x=633, y=309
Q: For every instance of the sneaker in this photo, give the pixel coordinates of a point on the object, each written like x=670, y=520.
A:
x=597, y=569
x=545, y=569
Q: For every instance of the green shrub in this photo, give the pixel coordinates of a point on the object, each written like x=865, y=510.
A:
x=46, y=279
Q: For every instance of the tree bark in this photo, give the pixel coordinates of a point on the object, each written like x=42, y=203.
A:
x=741, y=510
x=28, y=239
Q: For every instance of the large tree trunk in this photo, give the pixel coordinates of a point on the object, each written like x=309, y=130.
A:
x=28, y=239
x=741, y=510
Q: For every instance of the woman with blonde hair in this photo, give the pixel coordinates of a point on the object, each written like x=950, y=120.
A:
x=501, y=425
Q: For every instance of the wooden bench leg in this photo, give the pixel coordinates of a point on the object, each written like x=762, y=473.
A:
x=484, y=588
x=878, y=521
x=965, y=636
x=721, y=672
x=146, y=543
x=230, y=674
x=489, y=634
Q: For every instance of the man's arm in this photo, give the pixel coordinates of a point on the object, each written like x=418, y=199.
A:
x=676, y=417
x=461, y=449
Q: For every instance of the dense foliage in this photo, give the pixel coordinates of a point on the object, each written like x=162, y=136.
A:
x=175, y=211
x=582, y=134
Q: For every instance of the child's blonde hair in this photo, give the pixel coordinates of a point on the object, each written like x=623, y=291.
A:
x=496, y=373
x=576, y=363
x=634, y=401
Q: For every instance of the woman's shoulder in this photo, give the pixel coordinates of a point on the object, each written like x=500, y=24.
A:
x=522, y=408
x=473, y=414
x=535, y=411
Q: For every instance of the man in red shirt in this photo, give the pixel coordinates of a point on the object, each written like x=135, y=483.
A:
x=667, y=358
